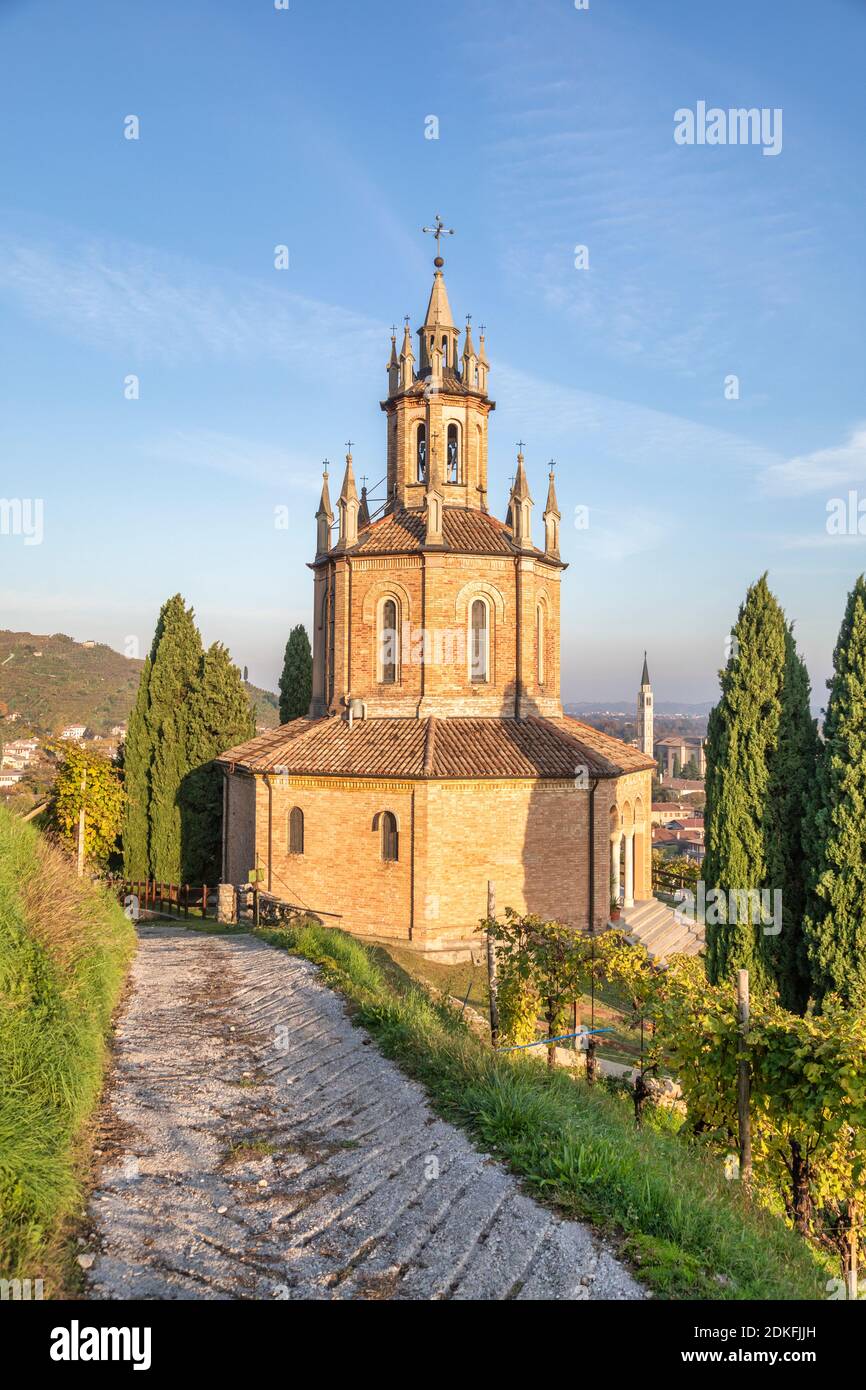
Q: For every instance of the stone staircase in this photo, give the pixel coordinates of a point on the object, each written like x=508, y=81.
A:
x=654, y=924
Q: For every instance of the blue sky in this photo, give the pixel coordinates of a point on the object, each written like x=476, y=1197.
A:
x=306, y=128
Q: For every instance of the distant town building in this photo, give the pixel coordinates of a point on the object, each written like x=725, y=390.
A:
x=684, y=786
x=9, y=779
x=645, y=713
x=118, y=731
x=74, y=732
x=674, y=752
x=663, y=812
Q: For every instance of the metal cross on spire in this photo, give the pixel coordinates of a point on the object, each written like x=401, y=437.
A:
x=349, y=443
x=520, y=446
x=439, y=230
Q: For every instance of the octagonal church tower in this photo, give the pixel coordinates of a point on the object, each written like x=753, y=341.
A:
x=435, y=755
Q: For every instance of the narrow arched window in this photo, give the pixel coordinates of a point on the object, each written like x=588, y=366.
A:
x=444, y=352
x=453, y=473
x=421, y=453
x=539, y=638
x=388, y=638
x=296, y=830
x=390, y=837
x=479, y=641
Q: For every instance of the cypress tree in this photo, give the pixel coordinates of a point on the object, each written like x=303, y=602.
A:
x=175, y=661
x=835, y=924
x=296, y=682
x=137, y=754
x=218, y=715
x=792, y=776
x=742, y=734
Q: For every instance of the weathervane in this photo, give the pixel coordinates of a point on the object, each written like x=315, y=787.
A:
x=439, y=230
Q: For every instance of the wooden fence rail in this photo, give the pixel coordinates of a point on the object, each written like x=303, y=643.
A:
x=174, y=899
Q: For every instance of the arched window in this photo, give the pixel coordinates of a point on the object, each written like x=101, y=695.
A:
x=539, y=641
x=444, y=351
x=421, y=453
x=479, y=641
x=453, y=469
x=296, y=830
x=390, y=837
x=388, y=643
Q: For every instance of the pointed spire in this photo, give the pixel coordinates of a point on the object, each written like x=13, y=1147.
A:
x=348, y=507
x=645, y=680
x=324, y=516
x=393, y=368
x=470, y=356
x=520, y=490
x=520, y=504
x=407, y=358
x=552, y=518
x=438, y=309
x=363, y=510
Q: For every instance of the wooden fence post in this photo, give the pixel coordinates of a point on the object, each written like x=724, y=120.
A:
x=743, y=1080
x=492, y=984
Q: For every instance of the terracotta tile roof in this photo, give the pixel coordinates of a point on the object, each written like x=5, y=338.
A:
x=463, y=529
x=437, y=748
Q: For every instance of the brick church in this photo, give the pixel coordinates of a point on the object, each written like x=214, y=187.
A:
x=435, y=755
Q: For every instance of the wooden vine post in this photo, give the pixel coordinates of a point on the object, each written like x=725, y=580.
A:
x=743, y=1084
x=492, y=986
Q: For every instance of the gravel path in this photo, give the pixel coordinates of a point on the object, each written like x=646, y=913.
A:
x=257, y=1145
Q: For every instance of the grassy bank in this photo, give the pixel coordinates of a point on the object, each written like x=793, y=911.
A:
x=689, y=1233
x=64, y=951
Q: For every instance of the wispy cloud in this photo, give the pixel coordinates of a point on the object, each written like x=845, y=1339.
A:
x=635, y=435
x=252, y=460
x=122, y=295
x=836, y=466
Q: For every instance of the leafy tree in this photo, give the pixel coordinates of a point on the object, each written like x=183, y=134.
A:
x=218, y=715
x=175, y=657
x=835, y=923
x=86, y=779
x=137, y=757
x=691, y=771
x=296, y=681
x=742, y=733
x=792, y=777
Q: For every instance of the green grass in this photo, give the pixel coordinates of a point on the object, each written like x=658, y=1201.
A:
x=64, y=951
x=688, y=1232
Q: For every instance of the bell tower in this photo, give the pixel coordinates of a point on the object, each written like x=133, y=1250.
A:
x=645, y=712
x=437, y=408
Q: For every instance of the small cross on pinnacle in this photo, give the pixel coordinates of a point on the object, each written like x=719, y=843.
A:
x=325, y=466
x=482, y=328
x=393, y=330
x=520, y=446
x=363, y=482
x=349, y=443
x=551, y=463
x=468, y=318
